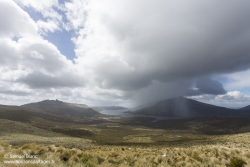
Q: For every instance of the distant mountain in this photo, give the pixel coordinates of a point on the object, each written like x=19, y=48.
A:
x=100, y=108
x=28, y=115
x=183, y=107
x=60, y=107
x=245, y=108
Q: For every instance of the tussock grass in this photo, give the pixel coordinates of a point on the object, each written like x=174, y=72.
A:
x=237, y=162
x=114, y=143
x=203, y=155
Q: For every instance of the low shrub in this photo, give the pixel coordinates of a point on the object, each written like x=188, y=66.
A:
x=237, y=162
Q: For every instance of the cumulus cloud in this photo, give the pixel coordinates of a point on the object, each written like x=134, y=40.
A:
x=31, y=55
x=232, y=99
x=47, y=26
x=45, y=7
x=15, y=93
x=13, y=89
x=30, y=59
x=14, y=21
x=41, y=80
x=38, y=5
x=51, y=20
x=140, y=51
x=76, y=14
x=234, y=96
x=37, y=63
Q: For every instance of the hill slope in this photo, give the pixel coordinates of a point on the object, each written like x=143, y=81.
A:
x=59, y=107
x=245, y=108
x=183, y=107
x=28, y=115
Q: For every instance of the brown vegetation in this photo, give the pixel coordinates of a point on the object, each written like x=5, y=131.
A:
x=194, y=156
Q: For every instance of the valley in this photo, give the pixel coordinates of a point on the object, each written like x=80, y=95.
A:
x=136, y=136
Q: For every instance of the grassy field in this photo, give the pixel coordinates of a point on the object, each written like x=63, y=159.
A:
x=233, y=151
x=111, y=143
x=139, y=141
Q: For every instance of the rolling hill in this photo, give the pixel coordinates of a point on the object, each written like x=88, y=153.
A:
x=28, y=115
x=60, y=107
x=20, y=124
x=183, y=107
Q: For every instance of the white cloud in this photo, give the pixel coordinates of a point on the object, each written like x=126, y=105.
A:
x=234, y=96
x=237, y=80
x=76, y=14
x=37, y=63
x=230, y=99
x=14, y=21
x=52, y=19
x=140, y=50
x=45, y=7
x=38, y=5
x=47, y=26
x=33, y=53
x=29, y=64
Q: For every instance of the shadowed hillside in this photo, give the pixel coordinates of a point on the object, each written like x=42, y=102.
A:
x=59, y=107
x=123, y=131
x=245, y=108
x=183, y=107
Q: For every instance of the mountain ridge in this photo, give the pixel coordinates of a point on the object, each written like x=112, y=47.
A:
x=184, y=107
x=245, y=108
x=60, y=107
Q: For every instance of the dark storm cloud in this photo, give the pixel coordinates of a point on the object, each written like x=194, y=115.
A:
x=206, y=85
x=164, y=42
x=159, y=90
x=209, y=86
x=154, y=51
x=169, y=40
x=126, y=82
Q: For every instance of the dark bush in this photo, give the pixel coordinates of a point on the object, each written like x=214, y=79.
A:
x=237, y=162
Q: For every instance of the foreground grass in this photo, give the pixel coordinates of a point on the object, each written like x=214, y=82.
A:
x=125, y=142
x=105, y=156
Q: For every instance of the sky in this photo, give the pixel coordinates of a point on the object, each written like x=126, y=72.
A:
x=124, y=52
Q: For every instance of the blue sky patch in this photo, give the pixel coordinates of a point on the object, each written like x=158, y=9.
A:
x=62, y=40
